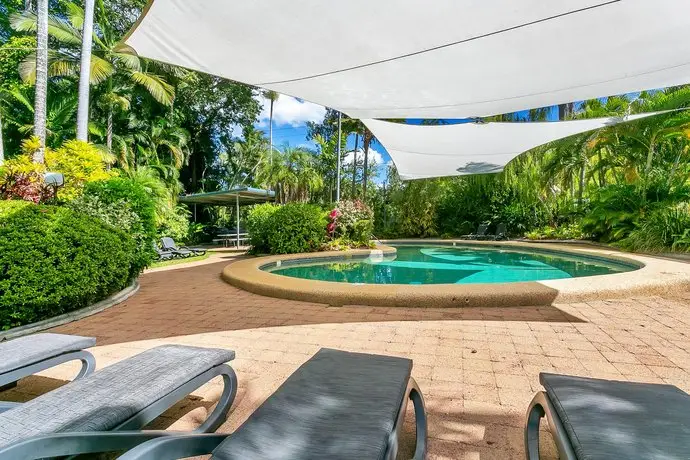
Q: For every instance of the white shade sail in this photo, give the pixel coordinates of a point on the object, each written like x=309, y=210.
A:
x=420, y=59
x=420, y=151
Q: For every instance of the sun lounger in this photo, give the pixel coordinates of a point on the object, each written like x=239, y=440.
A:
x=501, y=233
x=338, y=405
x=28, y=355
x=601, y=419
x=481, y=233
x=163, y=254
x=168, y=244
x=95, y=412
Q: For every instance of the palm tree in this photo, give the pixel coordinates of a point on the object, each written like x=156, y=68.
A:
x=271, y=96
x=367, y=138
x=41, y=61
x=2, y=148
x=85, y=72
x=114, y=65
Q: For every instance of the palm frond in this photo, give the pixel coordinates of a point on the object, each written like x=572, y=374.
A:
x=159, y=89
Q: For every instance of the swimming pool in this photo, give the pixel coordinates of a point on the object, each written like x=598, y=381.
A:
x=453, y=265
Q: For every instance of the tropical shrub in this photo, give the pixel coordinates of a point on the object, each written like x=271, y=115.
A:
x=121, y=192
x=353, y=221
x=662, y=229
x=258, y=226
x=563, y=232
x=295, y=227
x=22, y=179
x=54, y=260
x=175, y=224
x=79, y=162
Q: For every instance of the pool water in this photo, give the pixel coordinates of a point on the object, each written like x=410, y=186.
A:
x=454, y=265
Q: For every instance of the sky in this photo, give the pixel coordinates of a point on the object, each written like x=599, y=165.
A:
x=290, y=117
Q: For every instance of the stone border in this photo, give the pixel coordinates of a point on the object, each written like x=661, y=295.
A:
x=654, y=277
x=68, y=317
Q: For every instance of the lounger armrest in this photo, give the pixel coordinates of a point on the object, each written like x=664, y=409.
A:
x=175, y=447
x=75, y=443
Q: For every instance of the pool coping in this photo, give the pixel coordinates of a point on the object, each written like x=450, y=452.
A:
x=654, y=277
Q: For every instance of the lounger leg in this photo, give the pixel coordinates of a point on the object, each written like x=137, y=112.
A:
x=420, y=421
x=86, y=358
x=538, y=408
x=413, y=393
x=216, y=418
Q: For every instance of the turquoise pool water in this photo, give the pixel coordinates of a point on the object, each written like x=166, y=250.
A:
x=454, y=265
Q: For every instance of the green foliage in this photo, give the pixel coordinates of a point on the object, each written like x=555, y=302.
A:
x=296, y=227
x=118, y=192
x=54, y=260
x=563, y=232
x=175, y=224
x=258, y=226
x=362, y=231
x=22, y=179
x=352, y=221
x=661, y=229
x=80, y=163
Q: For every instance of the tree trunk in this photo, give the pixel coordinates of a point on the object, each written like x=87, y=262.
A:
x=565, y=110
x=27, y=5
x=354, y=167
x=2, y=148
x=650, y=158
x=40, y=101
x=85, y=73
x=581, y=191
x=365, y=172
x=602, y=172
x=270, y=132
x=109, y=130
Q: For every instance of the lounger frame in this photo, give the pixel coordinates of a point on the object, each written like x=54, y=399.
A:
x=125, y=436
x=88, y=365
x=541, y=407
x=194, y=445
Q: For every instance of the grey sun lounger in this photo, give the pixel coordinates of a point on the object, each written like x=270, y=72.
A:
x=338, y=405
x=481, y=233
x=596, y=419
x=168, y=244
x=28, y=355
x=100, y=410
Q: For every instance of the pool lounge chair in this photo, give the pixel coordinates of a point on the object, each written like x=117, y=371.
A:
x=337, y=405
x=168, y=244
x=100, y=411
x=501, y=233
x=28, y=355
x=481, y=233
x=597, y=419
x=163, y=254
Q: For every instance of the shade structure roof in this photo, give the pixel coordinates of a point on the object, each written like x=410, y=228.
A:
x=416, y=59
x=241, y=195
x=472, y=148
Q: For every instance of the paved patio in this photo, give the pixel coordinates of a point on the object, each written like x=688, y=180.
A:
x=477, y=368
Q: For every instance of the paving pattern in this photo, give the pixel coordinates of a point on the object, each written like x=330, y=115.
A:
x=478, y=368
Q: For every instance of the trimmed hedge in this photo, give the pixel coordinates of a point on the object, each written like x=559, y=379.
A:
x=118, y=192
x=257, y=226
x=54, y=260
x=296, y=227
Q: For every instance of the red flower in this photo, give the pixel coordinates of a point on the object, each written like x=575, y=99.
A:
x=335, y=213
x=330, y=227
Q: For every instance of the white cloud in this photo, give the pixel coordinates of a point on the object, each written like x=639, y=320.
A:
x=290, y=111
x=374, y=156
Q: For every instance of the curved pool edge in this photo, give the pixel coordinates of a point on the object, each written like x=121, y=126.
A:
x=654, y=277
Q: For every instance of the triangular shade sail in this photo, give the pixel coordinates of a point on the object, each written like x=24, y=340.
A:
x=471, y=148
x=421, y=59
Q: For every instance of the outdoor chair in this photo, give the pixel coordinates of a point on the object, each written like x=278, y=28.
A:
x=163, y=254
x=28, y=355
x=481, y=233
x=100, y=411
x=168, y=244
x=337, y=405
x=501, y=232
x=597, y=419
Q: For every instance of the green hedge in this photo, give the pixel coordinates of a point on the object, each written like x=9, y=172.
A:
x=257, y=226
x=122, y=193
x=295, y=227
x=54, y=260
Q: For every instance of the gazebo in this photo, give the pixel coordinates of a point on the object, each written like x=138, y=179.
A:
x=239, y=196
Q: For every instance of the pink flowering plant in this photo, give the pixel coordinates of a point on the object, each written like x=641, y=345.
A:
x=351, y=221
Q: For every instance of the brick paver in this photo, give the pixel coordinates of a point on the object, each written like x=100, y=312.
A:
x=478, y=368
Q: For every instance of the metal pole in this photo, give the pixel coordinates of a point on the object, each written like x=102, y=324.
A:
x=237, y=210
x=340, y=138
